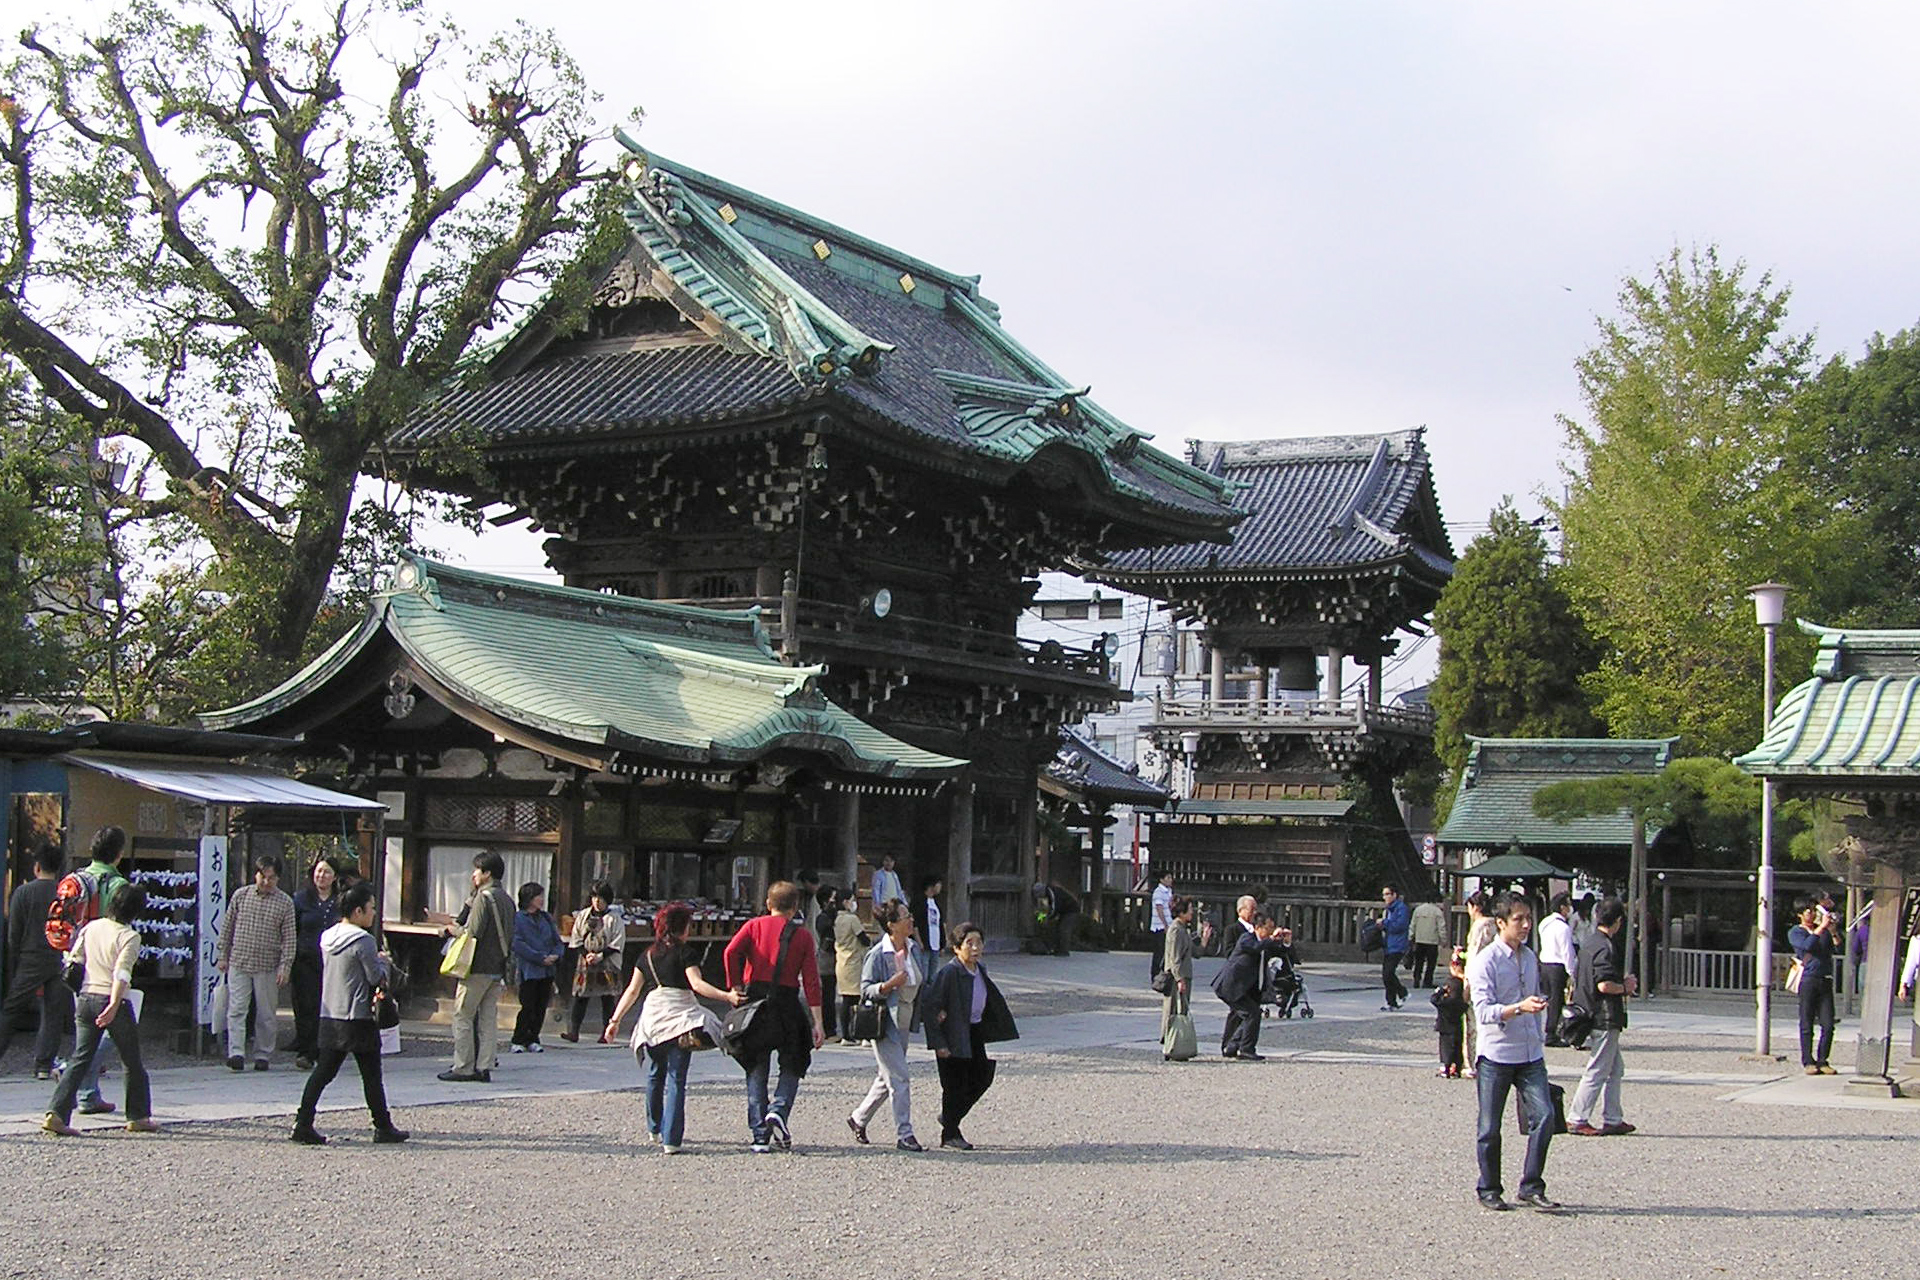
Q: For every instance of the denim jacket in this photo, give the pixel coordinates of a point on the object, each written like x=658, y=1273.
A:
x=878, y=969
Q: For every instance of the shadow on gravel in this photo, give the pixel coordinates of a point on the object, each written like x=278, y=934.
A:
x=1823, y=1213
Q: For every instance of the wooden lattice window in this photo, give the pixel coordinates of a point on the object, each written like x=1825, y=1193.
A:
x=498, y=815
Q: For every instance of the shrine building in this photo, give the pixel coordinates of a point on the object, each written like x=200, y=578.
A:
x=762, y=410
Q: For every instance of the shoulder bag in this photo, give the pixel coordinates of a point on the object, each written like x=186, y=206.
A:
x=1795, y=976
x=458, y=960
x=866, y=1021
x=73, y=968
x=750, y=1026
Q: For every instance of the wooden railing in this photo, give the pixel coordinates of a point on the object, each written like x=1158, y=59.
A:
x=1283, y=714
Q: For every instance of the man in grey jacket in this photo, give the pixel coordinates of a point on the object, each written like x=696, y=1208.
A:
x=488, y=919
x=353, y=968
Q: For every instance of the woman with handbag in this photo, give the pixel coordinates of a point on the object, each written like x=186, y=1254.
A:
x=889, y=986
x=1177, y=961
x=771, y=960
x=354, y=969
x=850, y=947
x=104, y=951
x=600, y=937
x=964, y=1013
x=673, y=1023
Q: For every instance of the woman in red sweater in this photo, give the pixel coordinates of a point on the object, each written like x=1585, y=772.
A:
x=780, y=941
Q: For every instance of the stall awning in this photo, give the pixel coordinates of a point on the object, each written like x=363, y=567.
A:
x=222, y=783
x=1267, y=808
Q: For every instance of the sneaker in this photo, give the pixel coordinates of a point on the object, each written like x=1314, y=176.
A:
x=909, y=1144
x=145, y=1124
x=516, y=1048
x=236, y=1063
x=955, y=1140
x=777, y=1131
x=42, y=1074
x=96, y=1106
x=387, y=1133
x=307, y=1136
x=303, y=1063
x=760, y=1148
x=1811, y=1070
x=536, y=1047
x=54, y=1124
x=668, y=1149
x=1826, y=1070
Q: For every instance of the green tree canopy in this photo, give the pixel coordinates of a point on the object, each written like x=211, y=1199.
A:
x=1512, y=650
x=244, y=241
x=1686, y=484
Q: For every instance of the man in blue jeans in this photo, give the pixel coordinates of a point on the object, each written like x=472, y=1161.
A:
x=1505, y=980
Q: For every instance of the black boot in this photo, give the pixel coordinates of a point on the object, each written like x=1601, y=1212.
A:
x=383, y=1131
x=305, y=1134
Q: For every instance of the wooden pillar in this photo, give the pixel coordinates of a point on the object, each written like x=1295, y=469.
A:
x=1872, y=1074
x=1336, y=673
x=1216, y=673
x=1373, y=681
x=848, y=837
x=959, y=896
x=1263, y=692
x=1029, y=837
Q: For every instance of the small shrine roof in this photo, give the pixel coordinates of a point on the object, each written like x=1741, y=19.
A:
x=1855, y=721
x=777, y=307
x=1083, y=768
x=601, y=679
x=1494, y=807
x=1317, y=503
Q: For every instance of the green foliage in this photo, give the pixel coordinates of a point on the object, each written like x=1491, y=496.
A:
x=1687, y=484
x=1710, y=805
x=1512, y=651
x=304, y=217
x=1860, y=425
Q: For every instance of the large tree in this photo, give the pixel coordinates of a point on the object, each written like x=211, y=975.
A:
x=245, y=241
x=1861, y=427
x=1512, y=650
x=1685, y=486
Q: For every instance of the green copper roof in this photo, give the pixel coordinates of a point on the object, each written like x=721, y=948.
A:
x=1856, y=718
x=1495, y=804
x=626, y=682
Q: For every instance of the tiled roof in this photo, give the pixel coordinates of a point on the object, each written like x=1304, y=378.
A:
x=899, y=343
x=1495, y=805
x=618, y=676
x=584, y=394
x=1317, y=503
x=1858, y=717
x=1081, y=766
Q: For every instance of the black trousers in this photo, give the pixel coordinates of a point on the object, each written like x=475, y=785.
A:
x=1390, y=977
x=535, y=995
x=1816, y=1011
x=1553, y=985
x=305, y=982
x=1159, y=957
x=327, y=1066
x=846, y=1004
x=1450, y=1045
x=47, y=1005
x=828, y=1005
x=579, y=1012
x=1425, y=954
x=1242, y=1033
x=963, y=1082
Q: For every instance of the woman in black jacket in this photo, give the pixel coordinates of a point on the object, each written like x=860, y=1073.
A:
x=964, y=1012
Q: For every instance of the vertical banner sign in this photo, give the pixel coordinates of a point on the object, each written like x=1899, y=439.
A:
x=213, y=913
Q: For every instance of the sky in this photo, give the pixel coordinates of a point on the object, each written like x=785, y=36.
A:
x=1267, y=219
x=1248, y=220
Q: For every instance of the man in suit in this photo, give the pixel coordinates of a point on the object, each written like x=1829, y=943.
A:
x=1239, y=980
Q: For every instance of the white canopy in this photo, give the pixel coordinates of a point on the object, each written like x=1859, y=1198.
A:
x=216, y=782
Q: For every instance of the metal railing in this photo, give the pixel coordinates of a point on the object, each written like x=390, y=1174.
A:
x=1284, y=713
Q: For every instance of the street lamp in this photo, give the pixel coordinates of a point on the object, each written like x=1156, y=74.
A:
x=1190, y=748
x=1769, y=610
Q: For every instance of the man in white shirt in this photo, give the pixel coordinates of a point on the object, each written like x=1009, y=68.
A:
x=1162, y=917
x=1505, y=980
x=1557, y=962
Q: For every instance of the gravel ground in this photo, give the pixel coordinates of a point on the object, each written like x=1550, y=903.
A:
x=1090, y=1162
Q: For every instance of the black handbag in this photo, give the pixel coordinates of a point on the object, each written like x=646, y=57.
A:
x=1164, y=982
x=750, y=1026
x=1576, y=1024
x=1556, y=1096
x=865, y=1023
x=386, y=1010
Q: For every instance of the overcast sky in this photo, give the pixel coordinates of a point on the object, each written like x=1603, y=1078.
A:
x=1248, y=220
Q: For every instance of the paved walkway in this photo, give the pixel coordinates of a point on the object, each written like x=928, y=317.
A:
x=1120, y=1014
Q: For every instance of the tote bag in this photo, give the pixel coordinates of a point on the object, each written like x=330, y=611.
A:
x=1180, y=1043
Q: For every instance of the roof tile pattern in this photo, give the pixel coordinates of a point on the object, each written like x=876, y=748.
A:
x=1495, y=804
x=1857, y=718
x=1318, y=502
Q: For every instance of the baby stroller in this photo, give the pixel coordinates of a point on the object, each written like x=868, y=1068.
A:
x=1284, y=992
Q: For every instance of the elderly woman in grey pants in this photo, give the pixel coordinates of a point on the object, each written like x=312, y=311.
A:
x=892, y=972
x=1178, y=960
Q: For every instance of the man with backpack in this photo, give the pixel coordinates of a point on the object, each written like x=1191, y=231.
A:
x=257, y=943
x=78, y=898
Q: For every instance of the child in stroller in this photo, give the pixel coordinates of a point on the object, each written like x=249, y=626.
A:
x=1284, y=991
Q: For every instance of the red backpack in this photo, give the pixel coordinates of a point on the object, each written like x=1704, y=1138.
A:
x=76, y=900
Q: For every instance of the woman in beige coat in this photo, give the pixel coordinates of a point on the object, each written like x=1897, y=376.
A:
x=1178, y=960
x=850, y=945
